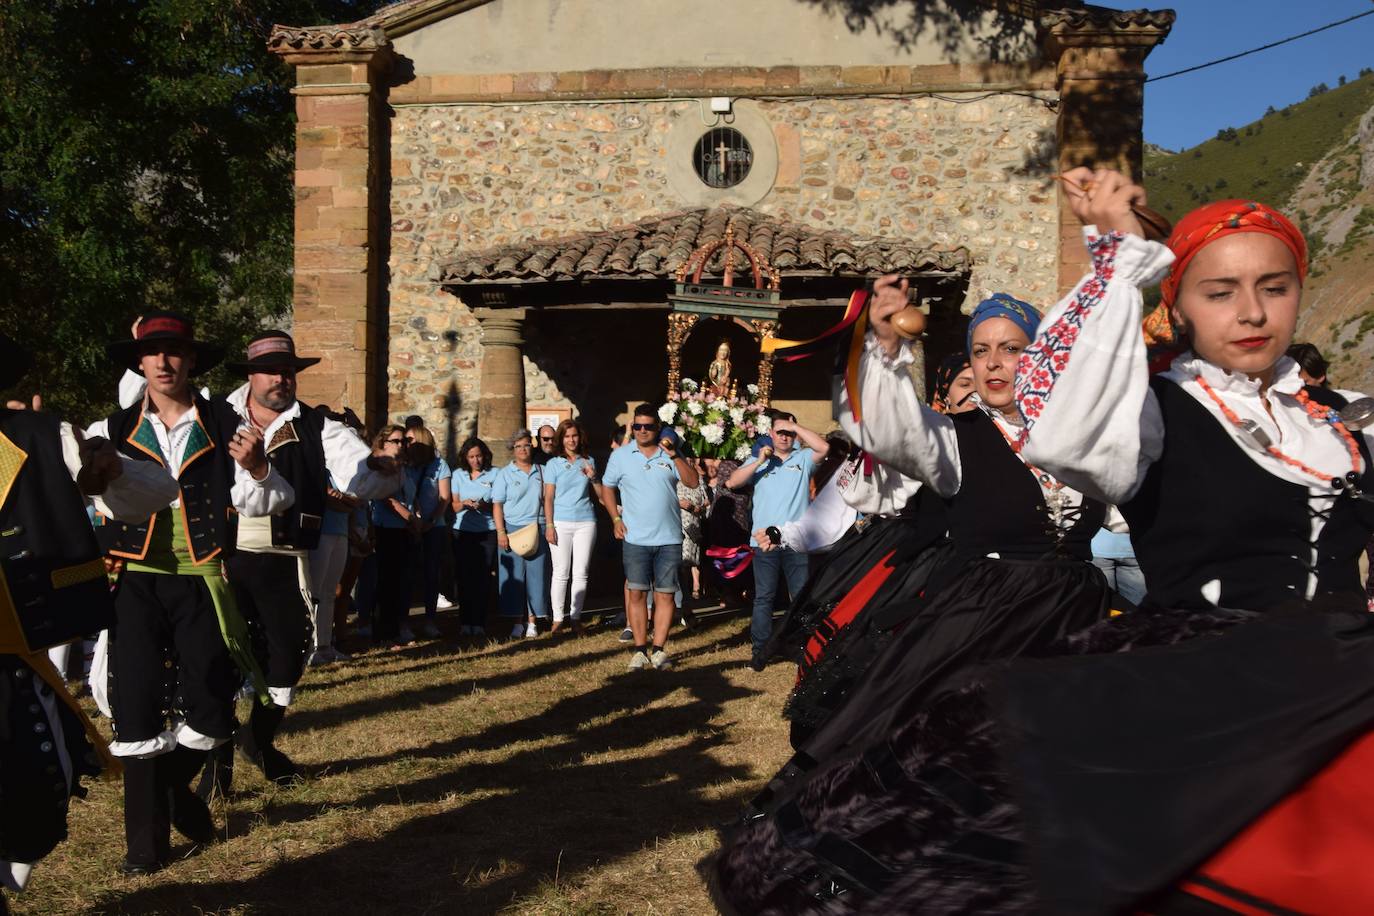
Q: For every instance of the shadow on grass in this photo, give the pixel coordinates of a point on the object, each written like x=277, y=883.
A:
x=585, y=799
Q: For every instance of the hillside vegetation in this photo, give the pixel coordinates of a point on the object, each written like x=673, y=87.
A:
x=1264, y=160
x=1314, y=160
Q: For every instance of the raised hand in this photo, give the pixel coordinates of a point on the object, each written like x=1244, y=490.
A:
x=246, y=449
x=383, y=464
x=1103, y=198
x=890, y=296
x=100, y=464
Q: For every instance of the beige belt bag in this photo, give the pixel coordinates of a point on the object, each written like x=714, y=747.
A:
x=525, y=541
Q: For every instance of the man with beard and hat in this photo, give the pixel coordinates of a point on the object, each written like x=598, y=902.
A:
x=53, y=589
x=178, y=641
x=322, y=459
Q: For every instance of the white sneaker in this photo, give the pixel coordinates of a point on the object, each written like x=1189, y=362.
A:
x=661, y=660
x=444, y=604
x=531, y=631
x=639, y=661
x=518, y=631
x=428, y=630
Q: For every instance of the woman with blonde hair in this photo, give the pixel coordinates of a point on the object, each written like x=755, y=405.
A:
x=429, y=474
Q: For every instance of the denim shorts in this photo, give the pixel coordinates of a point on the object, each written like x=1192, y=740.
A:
x=652, y=566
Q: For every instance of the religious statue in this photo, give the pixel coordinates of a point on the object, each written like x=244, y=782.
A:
x=718, y=375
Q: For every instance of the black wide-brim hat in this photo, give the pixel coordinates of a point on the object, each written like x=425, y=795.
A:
x=15, y=361
x=165, y=326
x=269, y=351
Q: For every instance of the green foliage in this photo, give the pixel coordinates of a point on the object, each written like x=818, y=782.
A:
x=148, y=165
x=1303, y=133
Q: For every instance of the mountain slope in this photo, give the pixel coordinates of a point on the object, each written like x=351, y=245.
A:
x=1314, y=161
x=1264, y=160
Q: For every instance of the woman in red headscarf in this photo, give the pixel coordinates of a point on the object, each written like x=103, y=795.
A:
x=1208, y=753
x=1238, y=769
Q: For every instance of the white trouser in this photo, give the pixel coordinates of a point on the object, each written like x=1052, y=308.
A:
x=327, y=563
x=572, y=555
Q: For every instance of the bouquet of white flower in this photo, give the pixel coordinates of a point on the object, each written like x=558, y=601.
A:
x=713, y=426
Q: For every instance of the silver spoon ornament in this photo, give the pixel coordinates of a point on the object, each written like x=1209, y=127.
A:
x=1357, y=414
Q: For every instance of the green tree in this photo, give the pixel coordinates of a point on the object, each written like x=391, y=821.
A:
x=148, y=165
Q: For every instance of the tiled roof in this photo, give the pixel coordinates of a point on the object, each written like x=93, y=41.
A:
x=655, y=248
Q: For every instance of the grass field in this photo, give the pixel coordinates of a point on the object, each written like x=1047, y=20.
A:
x=533, y=776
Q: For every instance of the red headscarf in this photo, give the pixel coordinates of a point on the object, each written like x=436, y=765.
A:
x=1205, y=225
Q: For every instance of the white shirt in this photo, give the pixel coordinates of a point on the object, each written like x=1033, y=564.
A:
x=251, y=498
x=345, y=458
x=1100, y=427
x=142, y=489
x=901, y=431
x=823, y=523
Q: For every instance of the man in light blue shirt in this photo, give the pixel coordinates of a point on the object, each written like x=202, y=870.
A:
x=642, y=476
x=780, y=474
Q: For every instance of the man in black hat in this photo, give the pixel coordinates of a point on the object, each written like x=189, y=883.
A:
x=55, y=591
x=178, y=642
x=269, y=569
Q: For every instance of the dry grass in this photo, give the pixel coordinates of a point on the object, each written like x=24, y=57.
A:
x=525, y=777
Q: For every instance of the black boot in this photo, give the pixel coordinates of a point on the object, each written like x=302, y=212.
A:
x=262, y=726
x=147, y=818
x=189, y=813
x=217, y=778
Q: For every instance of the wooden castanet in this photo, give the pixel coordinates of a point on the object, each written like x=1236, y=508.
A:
x=910, y=322
x=1152, y=223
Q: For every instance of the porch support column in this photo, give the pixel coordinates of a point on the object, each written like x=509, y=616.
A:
x=1101, y=79
x=342, y=207
x=501, y=405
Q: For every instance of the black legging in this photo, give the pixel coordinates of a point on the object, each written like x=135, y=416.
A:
x=474, y=554
x=393, y=591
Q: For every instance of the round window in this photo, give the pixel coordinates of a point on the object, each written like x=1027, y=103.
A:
x=722, y=157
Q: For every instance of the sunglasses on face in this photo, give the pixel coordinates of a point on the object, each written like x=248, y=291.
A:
x=637, y=427
x=546, y=438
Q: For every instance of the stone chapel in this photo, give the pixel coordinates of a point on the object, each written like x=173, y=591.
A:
x=493, y=197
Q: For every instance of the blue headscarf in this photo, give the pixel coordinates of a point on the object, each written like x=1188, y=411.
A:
x=1023, y=314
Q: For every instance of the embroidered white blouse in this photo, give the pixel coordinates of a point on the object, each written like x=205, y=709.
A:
x=1091, y=418
x=901, y=431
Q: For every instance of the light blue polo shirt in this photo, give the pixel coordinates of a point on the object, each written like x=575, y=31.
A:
x=426, y=483
x=782, y=489
x=521, y=495
x=479, y=488
x=648, y=495
x=383, y=516
x=572, y=490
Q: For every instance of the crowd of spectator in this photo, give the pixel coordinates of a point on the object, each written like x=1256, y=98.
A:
x=518, y=546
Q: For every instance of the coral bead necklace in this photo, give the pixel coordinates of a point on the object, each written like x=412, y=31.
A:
x=1317, y=412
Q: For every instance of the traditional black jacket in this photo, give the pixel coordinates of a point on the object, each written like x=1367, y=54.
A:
x=54, y=587
x=206, y=478
x=297, y=453
x=1223, y=518
x=1000, y=507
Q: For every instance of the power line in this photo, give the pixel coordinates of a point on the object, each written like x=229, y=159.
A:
x=1274, y=44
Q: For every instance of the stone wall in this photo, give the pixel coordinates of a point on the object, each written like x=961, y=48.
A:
x=965, y=170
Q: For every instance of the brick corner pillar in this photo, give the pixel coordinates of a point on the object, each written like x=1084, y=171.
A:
x=501, y=405
x=342, y=157
x=1101, y=80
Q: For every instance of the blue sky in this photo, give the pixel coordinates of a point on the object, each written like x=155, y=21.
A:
x=1185, y=110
